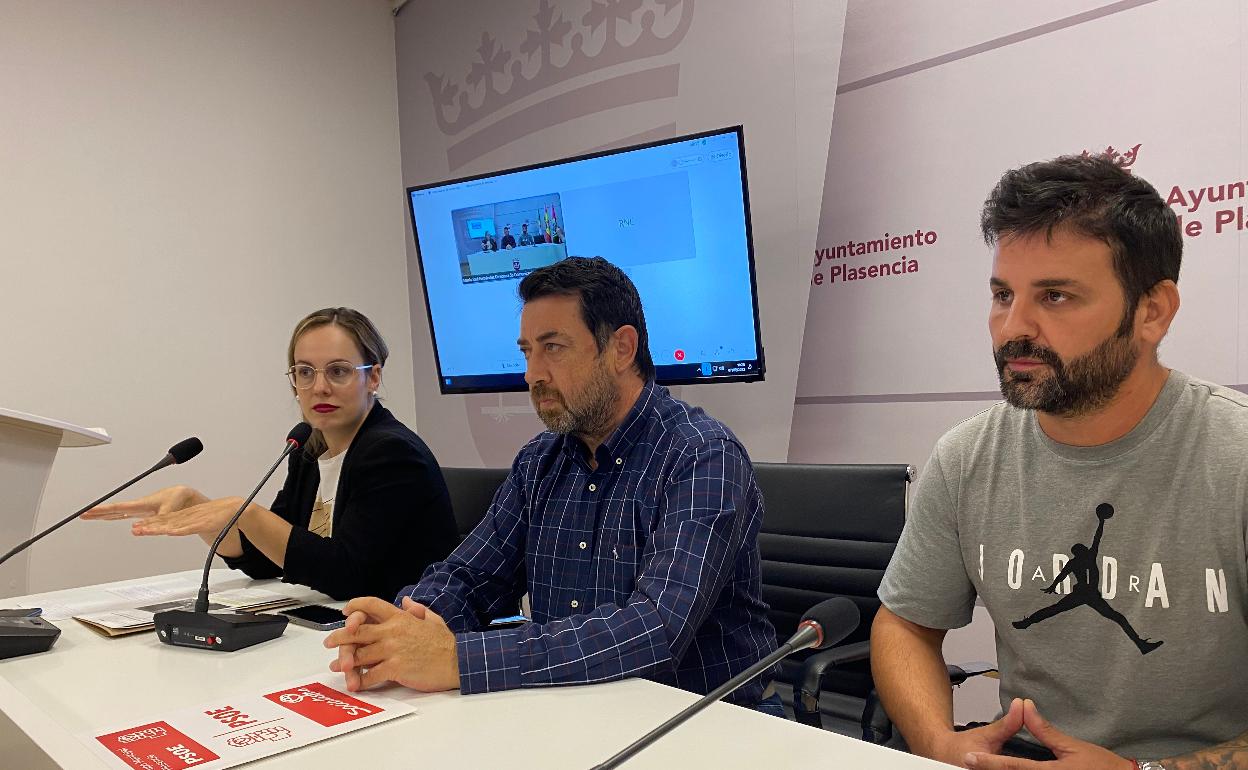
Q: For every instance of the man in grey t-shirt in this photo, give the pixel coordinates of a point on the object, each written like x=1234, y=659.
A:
x=1099, y=513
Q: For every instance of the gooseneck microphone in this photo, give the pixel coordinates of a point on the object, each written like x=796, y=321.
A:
x=177, y=454
x=227, y=631
x=297, y=437
x=25, y=635
x=825, y=624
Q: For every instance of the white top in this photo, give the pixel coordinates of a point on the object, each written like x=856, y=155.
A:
x=71, y=435
x=86, y=682
x=322, y=521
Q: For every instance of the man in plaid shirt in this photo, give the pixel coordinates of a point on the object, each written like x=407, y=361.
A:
x=632, y=523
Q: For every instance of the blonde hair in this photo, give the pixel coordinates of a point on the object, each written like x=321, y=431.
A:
x=368, y=342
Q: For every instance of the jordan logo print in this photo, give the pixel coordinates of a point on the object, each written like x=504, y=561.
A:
x=1086, y=592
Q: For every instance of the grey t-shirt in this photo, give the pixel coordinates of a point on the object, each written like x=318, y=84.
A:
x=1148, y=534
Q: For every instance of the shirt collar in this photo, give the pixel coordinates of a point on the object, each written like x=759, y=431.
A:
x=622, y=438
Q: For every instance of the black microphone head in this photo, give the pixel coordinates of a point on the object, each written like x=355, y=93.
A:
x=836, y=617
x=299, y=434
x=185, y=450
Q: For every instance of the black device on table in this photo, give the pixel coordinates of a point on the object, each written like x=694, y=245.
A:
x=22, y=631
x=25, y=634
x=226, y=631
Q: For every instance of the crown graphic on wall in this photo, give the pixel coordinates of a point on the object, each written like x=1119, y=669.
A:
x=1124, y=160
x=549, y=32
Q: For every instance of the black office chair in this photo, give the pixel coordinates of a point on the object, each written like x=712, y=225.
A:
x=472, y=490
x=828, y=530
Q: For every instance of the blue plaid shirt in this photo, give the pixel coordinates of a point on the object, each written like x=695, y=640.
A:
x=646, y=566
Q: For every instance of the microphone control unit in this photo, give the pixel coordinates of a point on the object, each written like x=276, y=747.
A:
x=25, y=636
x=222, y=631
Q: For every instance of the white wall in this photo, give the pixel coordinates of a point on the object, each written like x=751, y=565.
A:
x=769, y=66
x=181, y=182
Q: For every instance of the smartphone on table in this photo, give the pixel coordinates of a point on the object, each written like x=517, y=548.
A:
x=316, y=616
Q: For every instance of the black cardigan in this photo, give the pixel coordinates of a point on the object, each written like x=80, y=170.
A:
x=392, y=517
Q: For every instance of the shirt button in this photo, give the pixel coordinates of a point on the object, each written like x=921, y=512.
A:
x=593, y=487
x=575, y=604
x=619, y=461
x=584, y=545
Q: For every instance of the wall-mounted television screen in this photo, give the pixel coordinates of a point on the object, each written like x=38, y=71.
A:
x=674, y=215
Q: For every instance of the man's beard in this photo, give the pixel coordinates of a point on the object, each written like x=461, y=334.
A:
x=1084, y=385
x=590, y=414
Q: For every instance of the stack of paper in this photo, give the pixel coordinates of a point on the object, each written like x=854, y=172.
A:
x=129, y=620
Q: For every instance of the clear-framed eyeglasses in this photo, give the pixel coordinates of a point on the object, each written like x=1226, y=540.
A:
x=339, y=373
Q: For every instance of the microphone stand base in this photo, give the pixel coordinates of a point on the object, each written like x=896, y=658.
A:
x=223, y=631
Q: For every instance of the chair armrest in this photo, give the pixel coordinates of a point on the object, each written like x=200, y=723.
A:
x=810, y=681
x=876, y=725
x=963, y=671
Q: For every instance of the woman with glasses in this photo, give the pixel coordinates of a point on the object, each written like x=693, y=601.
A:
x=364, y=508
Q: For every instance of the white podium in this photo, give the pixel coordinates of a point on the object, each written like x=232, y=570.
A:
x=28, y=445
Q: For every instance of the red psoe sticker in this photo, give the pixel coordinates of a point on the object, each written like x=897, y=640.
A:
x=156, y=745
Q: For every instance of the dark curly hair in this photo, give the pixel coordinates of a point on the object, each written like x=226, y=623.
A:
x=1093, y=197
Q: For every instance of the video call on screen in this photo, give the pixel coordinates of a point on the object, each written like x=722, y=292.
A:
x=672, y=216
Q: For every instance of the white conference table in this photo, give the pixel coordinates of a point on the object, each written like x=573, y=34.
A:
x=87, y=681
